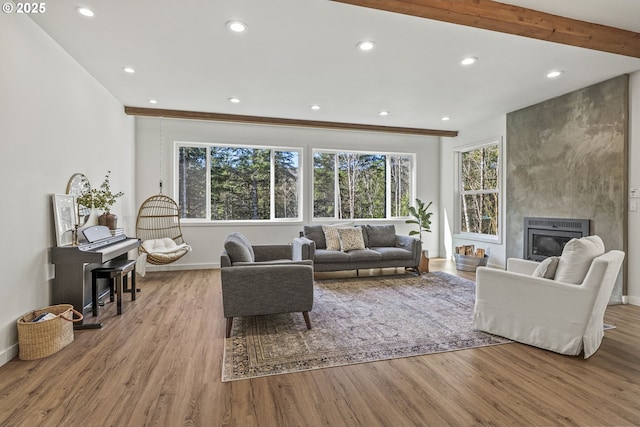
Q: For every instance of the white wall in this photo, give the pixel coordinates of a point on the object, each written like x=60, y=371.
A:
x=489, y=131
x=633, y=250
x=55, y=120
x=207, y=239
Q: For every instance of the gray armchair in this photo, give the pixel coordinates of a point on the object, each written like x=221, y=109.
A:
x=263, y=279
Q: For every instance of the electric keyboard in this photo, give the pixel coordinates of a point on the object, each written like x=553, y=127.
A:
x=73, y=265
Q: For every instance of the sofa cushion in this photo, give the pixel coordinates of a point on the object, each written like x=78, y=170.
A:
x=326, y=256
x=315, y=233
x=239, y=248
x=576, y=259
x=364, y=255
x=381, y=235
x=392, y=253
x=350, y=238
x=547, y=268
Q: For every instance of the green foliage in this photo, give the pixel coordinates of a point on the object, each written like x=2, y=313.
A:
x=361, y=182
x=422, y=218
x=479, y=201
x=100, y=198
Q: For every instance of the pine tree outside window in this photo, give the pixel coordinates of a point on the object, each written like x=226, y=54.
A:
x=238, y=183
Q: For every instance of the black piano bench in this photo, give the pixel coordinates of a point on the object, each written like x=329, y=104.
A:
x=116, y=271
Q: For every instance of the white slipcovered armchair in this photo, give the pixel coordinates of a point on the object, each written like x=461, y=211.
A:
x=552, y=314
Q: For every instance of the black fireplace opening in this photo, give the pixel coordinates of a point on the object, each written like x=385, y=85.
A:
x=545, y=237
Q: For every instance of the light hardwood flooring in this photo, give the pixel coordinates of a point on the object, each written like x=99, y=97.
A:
x=159, y=364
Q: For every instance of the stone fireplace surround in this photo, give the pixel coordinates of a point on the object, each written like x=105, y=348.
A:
x=567, y=157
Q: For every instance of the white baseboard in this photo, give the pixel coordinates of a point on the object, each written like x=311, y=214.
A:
x=8, y=354
x=178, y=267
x=631, y=300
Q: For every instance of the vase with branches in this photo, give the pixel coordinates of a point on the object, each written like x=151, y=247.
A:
x=102, y=198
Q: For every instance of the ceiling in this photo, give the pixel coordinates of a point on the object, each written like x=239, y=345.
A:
x=297, y=53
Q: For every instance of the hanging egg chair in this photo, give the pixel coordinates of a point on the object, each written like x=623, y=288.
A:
x=158, y=227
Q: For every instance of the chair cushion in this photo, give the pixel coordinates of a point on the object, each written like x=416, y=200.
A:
x=547, y=268
x=381, y=235
x=350, y=238
x=576, y=259
x=239, y=248
x=162, y=245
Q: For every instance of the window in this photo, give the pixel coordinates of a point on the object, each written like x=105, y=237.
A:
x=362, y=185
x=479, y=174
x=225, y=183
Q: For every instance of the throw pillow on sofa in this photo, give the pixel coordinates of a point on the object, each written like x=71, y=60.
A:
x=350, y=238
x=576, y=259
x=381, y=235
x=332, y=237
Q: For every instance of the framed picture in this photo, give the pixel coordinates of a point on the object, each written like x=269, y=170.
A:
x=64, y=215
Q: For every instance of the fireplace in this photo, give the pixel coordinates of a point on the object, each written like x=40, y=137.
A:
x=545, y=237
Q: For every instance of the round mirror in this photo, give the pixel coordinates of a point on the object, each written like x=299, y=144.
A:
x=77, y=185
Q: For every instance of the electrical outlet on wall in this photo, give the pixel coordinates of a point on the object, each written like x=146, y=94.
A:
x=633, y=206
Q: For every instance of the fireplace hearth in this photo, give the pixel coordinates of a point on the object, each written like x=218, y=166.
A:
x=545, y=237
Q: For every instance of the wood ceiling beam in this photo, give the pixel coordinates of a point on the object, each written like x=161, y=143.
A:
x=510, y=19
x=219, y=117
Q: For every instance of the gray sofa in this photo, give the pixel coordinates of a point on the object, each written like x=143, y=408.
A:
x=263, y=279
x=383, y=248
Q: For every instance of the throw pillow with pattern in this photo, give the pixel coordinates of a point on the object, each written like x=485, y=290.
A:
x=332, y=237
x=350, y=238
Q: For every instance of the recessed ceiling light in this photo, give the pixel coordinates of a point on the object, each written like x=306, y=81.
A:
x=84, y=11
x=383, y=113
x=446, y=118
x=129, y=70
x=234, y=100
x=153, y=101
x=315, y=107
x=469, y=60
x=554, y=74
x=237, y=26
x=366, y=45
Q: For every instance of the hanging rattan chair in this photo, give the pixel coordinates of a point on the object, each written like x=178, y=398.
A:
x=158, y=227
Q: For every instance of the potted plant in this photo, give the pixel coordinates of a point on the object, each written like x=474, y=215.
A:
x=102, y=198
x=423, y=220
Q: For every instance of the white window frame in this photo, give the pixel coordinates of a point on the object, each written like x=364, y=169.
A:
x=459, y=192
x=273, y=149
x=387, y=154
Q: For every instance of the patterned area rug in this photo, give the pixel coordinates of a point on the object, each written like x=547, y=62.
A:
x=358, y=320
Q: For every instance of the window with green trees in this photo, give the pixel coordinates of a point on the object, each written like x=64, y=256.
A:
x=238, y=182
x=479, y=174
x=362, y=185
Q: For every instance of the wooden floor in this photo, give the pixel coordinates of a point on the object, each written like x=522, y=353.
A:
x=159, y=364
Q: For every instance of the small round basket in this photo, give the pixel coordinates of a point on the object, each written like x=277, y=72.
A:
x=41, y=339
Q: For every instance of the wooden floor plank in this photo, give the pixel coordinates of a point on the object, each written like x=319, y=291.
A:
x=160, y=362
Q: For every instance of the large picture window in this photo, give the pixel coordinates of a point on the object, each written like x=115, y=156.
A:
x=362, y=185
x=479, y=181
x=225, y=183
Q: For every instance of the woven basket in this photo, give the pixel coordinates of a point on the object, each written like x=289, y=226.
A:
x=42, y=339
x=470, y=263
